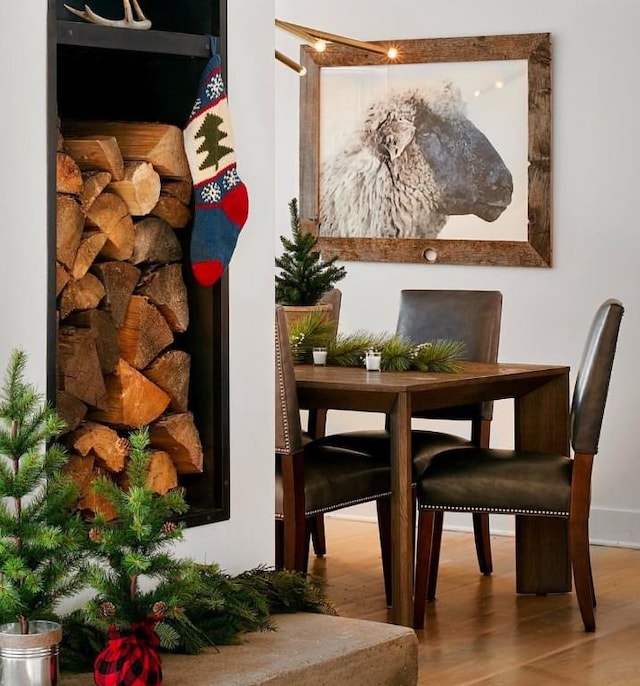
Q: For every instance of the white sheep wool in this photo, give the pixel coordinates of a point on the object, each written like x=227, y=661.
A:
x=220, y=197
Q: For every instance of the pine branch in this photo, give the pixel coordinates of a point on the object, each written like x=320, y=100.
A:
x=397, y=353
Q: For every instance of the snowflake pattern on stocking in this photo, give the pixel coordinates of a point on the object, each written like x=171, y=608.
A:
x=215, y=87
x=211, y=192
x=231, y=179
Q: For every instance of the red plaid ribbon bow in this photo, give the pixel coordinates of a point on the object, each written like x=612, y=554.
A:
x=131, y=658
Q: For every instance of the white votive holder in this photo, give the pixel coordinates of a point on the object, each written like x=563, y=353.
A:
x=372, y=360
x=320, y=356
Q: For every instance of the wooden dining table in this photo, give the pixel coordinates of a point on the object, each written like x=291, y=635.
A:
x=541, y=407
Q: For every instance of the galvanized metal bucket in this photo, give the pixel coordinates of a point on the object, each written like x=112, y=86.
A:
x=29, y=659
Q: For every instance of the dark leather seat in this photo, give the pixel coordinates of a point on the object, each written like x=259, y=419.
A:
x=526, y=483
x=311, y=477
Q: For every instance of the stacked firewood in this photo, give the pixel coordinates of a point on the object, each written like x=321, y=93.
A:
x=123, y=191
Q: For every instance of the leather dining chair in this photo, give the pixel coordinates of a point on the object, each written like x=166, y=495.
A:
x=474, y=318
x=312, y=478
x=526, y=483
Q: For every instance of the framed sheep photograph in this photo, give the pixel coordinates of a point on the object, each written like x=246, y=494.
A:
x=441, y=156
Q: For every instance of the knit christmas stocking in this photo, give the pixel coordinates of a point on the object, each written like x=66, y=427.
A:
x=221, y=200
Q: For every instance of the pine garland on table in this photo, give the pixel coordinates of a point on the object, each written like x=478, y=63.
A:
x=349, y=350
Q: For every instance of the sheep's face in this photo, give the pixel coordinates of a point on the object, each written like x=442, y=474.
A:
x=470, y=174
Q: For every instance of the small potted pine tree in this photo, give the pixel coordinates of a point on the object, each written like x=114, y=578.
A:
x=40, y=536
x=141, y=589
x=304, y=276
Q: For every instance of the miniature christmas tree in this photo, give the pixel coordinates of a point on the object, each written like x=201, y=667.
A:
x=304, y=275
x=40, y=537
x=133, y=546
x=138, y=583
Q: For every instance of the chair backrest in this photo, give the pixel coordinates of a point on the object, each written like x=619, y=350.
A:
x=472, y=317
x=594, y=374
x=288, y=438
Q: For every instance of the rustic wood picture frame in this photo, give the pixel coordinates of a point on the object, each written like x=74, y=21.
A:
x=536, y=250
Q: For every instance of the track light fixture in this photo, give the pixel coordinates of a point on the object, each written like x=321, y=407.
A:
x=318, y=40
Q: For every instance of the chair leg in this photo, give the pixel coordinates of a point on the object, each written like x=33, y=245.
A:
x=423, y=563
x=581, y=564
x=483, y=542
x=593, y=588
x=438, y=519
x=383, y=506
x=318, y=536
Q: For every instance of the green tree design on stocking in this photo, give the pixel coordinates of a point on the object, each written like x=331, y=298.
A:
x=210, y=131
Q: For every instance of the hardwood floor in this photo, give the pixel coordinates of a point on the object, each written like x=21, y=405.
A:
x=479, y=631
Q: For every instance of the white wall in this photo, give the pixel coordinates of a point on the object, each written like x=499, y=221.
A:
x=23, y=249
x=247, y=539
x=595, y=177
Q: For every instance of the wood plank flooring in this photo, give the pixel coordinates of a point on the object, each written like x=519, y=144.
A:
x=478, y=631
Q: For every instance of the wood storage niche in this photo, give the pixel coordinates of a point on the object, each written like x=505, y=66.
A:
x=137, y=342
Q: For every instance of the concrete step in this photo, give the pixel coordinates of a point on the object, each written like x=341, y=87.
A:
x=305, y=650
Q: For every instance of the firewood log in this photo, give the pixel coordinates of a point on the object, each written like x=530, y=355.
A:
x=69, y=225
x=90, y=246
x=140, y=187
x=144, y=334
x=171, y=372
x=79, y=372
x=70, y=409
x=100, y=325
x=110, y=215
x=79, y=469
x=160, y=144
x=96, y=153
x=166, y=289
x=68, y=175
x=163, y=475
x=119, y=280
x=94, y=183
x=155, y=241
x=132, y=400
x=175, y=213
x=83, y=294
x=109, y=449
x=182, y=190
x=62, y=278
x=177, y=435
x=92, y=504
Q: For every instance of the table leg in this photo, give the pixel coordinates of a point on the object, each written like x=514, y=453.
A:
x=542, y=543
x=401, y=512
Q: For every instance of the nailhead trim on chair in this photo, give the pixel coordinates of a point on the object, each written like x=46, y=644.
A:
x=358, y=501
x=283, y=401
x=496, y=510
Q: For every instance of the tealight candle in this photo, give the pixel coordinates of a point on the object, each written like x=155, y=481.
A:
x=372, y=361
x=320, y=356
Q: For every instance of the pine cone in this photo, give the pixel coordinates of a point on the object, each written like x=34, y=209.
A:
x=168, y=527
x=95, y=535
x=107, y=609
x=159, y=608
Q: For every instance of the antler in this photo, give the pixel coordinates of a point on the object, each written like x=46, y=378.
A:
x=140, y=22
